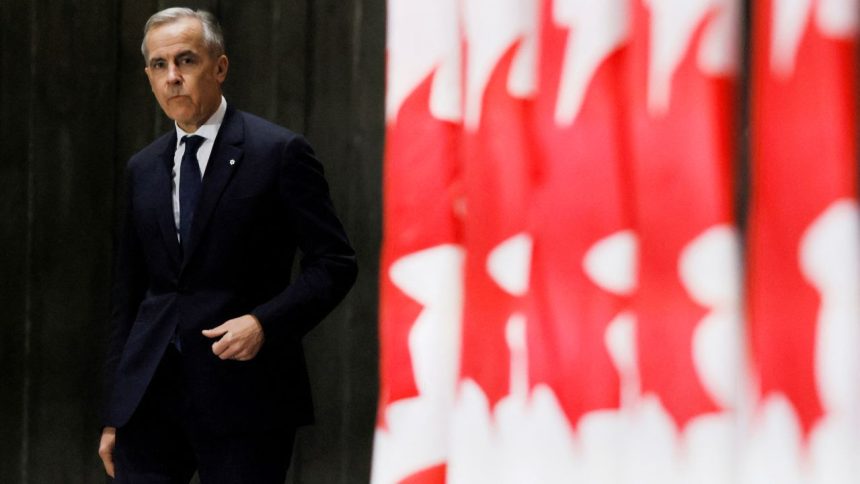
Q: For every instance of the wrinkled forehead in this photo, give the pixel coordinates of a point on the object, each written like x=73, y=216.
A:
x=171, y=38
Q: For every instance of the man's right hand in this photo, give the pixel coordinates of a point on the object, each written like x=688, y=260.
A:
x=106, y=445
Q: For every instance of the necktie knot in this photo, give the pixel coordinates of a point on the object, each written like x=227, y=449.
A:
x=192, y=143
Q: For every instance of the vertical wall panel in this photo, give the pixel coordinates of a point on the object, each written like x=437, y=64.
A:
x=14, y=163
x=72, y=149
x=252, y=77
x=344, y=123
x=363, y=214
x=290, y=38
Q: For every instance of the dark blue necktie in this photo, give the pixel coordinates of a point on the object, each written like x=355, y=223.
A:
x=190, y=185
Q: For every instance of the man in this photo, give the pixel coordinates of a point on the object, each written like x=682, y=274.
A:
x=205, y=369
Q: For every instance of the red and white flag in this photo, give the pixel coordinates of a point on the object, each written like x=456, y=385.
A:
x=804, y=244
x=682, y=81
x=579, y=334
x=560, y=284
x=422, y=259
x=500, y=46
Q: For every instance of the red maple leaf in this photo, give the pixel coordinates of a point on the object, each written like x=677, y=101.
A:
x=803, y=147
x=579, y=201
x=421, y=154
x=496, y=180
x=681, y=165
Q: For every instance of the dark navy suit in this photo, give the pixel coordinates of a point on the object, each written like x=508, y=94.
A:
x=263, y=198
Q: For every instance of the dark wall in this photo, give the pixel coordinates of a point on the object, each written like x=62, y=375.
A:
x=74, y=105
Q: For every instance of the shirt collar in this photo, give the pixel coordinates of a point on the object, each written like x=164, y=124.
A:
x=209, y=129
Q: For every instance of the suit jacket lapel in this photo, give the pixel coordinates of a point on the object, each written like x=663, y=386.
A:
x=226, y=154
x=164, y=186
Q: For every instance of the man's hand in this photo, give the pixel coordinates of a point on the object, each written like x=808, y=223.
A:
x=106, y=445
x=241, y=338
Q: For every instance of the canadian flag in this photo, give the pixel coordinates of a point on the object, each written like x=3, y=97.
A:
x=500, y=46
x=422, y=258
x=682, y=81
x=561, y=265
x=804, y=244
x=579, y=328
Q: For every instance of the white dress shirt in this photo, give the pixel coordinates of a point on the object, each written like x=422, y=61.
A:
x=209, y=130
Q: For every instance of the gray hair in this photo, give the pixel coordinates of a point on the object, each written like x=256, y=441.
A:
x=213, y=37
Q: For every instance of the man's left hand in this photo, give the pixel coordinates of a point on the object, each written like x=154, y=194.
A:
x=240, y=338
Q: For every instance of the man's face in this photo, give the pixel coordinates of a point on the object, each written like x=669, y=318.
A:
x=184, y=76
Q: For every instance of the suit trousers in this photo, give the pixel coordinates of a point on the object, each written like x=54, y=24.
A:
x=162, y=442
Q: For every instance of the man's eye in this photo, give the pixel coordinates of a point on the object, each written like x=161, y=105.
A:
x=158, y=65
x=186, y=60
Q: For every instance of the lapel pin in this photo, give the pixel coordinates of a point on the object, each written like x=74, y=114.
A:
x=232, y=162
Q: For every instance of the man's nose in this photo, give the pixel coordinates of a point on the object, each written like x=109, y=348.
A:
x=173, y=75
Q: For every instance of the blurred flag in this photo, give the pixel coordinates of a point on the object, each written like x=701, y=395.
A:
x=804, y=267
x=683, y=72
x=560, y=284
x=500, y=48
x=422, y=259
x=578, y=332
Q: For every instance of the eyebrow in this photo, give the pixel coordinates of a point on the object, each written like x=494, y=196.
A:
x=184, y=53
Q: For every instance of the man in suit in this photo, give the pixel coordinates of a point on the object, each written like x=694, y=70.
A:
x=205, y=369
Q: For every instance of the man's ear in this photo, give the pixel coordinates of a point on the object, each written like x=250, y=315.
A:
x=221, y=66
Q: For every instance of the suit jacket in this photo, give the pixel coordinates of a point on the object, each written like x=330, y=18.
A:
x=264, y=196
